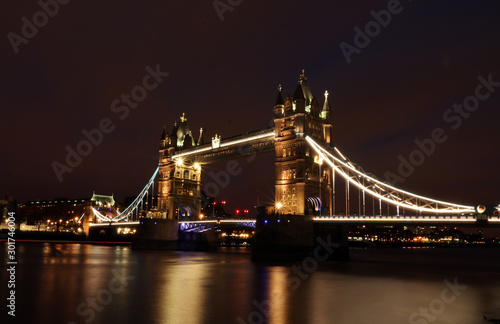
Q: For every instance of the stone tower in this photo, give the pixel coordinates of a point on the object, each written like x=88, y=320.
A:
x=299, y=174
x=179, y=180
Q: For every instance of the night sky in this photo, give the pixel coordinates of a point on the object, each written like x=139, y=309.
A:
x=224, y=75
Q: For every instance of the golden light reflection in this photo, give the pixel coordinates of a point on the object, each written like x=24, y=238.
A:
x=278, y=295
x=182, y=290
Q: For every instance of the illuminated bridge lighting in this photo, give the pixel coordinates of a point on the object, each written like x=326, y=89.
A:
x=403, y=202
x=114, y=224
x=225, y=144
x=391, y=219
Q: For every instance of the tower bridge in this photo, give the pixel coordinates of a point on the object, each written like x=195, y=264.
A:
x=313, y=178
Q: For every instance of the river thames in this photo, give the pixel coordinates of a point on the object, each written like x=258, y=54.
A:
x=83, y=283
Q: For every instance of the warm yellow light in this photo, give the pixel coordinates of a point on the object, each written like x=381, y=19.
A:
x=179, y=162
x=318, y=160
x=201, y=216
x=278, y=205
x=197, y=166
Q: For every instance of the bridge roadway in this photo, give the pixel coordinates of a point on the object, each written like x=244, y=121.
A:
x=459, y=220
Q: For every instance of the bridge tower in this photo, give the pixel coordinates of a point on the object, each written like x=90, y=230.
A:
x=299, y=174
x=179, y=181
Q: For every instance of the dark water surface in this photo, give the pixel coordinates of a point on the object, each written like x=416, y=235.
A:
x=80, y=283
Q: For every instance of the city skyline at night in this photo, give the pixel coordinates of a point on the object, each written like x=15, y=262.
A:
x=401, y=84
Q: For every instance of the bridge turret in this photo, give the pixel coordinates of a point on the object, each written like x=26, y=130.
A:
x=325, y=112
x=163, y=139
x=173, y=136
x=179, y=182
x=300, y=181
x=326, y=116
x=299, y=102
x=200, y=139
x=279, y=106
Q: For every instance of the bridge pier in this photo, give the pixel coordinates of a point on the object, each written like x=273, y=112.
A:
x=164, y=234
x=296, y=237
x=156, y=234
x=194, y=241
x=282, y=237
x=333, y=238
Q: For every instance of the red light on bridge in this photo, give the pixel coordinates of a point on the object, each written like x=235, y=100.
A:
x=237, y=211
x=246, y=211
x=223, y=202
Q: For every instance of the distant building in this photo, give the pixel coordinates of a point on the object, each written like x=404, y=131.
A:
x=57, y=210
x=105, y=205
x=65, y=210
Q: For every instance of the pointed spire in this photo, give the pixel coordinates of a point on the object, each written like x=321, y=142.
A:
x=302, y=76
x=298, y=94
x=279, y=99
x=200, y=139
x=183, y=117
x=163, y=134
x=325, y=112
x=326, y=105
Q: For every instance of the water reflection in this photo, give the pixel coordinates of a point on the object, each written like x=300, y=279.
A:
x=79, y=283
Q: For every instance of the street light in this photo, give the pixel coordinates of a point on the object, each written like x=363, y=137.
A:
x=201, y=216
x=278, y=206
